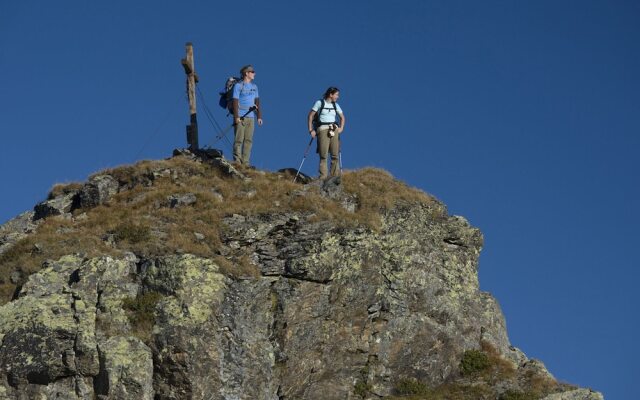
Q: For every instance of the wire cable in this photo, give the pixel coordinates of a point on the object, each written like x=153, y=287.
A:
x=155, y=132
x=216, y=126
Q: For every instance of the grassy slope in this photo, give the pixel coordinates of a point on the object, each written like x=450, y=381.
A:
x=140, y=220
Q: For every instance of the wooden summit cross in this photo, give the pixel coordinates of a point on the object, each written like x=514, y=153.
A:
x=192, y=79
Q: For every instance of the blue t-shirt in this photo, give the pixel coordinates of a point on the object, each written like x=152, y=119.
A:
x=328, y=114
x=246, y=93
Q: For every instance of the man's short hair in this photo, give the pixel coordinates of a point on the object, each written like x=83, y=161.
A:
x=245, y=69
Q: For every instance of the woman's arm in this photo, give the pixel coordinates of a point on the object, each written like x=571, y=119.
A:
x=312, y=131
x=343, y=121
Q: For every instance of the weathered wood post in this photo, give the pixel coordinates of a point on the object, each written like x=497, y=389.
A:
x=192, y=78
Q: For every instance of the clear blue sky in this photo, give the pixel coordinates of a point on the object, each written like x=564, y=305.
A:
x=522, y=116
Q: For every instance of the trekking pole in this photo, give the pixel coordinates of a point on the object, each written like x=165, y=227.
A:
x=340, y=154
x=306, y=152
x=224, y=133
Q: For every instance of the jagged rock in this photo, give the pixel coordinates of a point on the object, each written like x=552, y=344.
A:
x=187, y=333
x=60, y=205
x=199, y=236
x=15, y=277
x=249, y=193
x=126, y=370
x=49, y=340
x=301, y=176
x=15, y=229
x=227, y=168
x=216, y=193
x=332, y=189
x=517, y=357
x=536, y=367
x=181, y=200
x=289, y=306
x=98, y=191
x=209, y=153
x=200, y=154
x=164, y=173
x=184, y=153
x=578, y=394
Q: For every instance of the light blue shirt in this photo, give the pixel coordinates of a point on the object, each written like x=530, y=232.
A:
x=246, y=93
x=328, y=114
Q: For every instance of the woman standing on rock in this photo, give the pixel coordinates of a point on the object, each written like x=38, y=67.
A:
x=323, y=122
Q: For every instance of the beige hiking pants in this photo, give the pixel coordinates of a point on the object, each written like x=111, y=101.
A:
x=243, y=141
x=328, y=145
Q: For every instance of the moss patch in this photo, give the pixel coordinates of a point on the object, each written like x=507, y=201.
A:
x=141, y=313
x=474, y=362
x=410, y=387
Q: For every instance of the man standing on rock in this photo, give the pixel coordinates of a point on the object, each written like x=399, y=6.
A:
x=245, y=97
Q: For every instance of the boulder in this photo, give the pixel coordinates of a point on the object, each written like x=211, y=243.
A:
x=98, y=191
x=16, y=229
x=57, y=206
x=49, y=337
x=227, y=168
x=292, y=172
x=181, y=200
x=126, y=369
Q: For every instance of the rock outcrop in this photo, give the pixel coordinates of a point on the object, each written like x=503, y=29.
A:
x=292, y=307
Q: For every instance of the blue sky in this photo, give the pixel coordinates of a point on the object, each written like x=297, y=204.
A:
x=521, y=116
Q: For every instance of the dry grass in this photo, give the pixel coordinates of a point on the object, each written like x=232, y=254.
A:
x=500, y=369
x=377, y=190
x=60, y=189
x=240, y=268
x=485, y=370
x=54, y=238
x=140, y=220
x=450, y=391
x=541, y=385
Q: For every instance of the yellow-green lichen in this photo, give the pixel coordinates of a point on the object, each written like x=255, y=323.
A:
x=52, y=312
x=201, y=286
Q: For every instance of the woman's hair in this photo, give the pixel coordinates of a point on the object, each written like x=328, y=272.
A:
x=330, y=91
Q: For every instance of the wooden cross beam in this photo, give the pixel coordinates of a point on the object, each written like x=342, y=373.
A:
x=192, y=79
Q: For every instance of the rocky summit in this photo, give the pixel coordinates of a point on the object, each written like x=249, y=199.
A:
x=192, y=278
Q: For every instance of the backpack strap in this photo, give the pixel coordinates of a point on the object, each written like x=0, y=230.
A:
x=322, y=107
x=335, y=107
x=316, y=118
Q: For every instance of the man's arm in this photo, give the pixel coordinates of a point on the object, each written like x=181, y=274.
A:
x=236, y=107
x=257, y=103
x=236, y=103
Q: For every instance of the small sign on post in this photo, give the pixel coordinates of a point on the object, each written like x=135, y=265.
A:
x=192, y=79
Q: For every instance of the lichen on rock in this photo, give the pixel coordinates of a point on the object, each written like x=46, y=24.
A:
x=333, y=294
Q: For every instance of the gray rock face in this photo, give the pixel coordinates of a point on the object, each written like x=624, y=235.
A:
x=578, y=394
x=227, y=168
x=98, y=191
x=126, y=369
x=331, y=309
x=57, y=206
x=50, y=344
x=16, y=229
x=177, y=200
